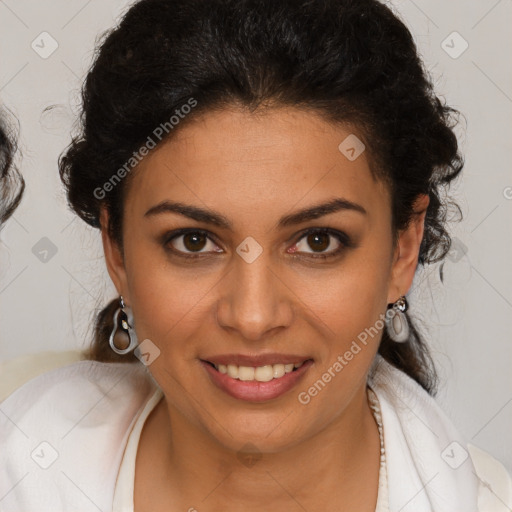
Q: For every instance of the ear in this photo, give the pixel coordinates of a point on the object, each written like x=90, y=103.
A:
x=113, y=257
x=407, y=251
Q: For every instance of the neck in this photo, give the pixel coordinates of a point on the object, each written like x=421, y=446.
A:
x=337, y=469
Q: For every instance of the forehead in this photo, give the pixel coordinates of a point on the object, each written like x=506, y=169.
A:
x=280, y=158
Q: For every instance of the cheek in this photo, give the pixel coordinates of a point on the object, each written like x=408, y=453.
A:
x=354, y=295
x=351, y=308
x=168, y=302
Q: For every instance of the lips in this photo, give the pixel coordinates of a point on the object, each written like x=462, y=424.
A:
x=257, y=381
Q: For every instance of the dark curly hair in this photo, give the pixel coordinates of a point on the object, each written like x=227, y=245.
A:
x=12, y=184
x=352, y=61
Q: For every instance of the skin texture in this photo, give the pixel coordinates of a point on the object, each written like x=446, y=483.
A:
x=254, y=169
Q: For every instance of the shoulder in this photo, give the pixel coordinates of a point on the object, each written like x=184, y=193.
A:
x=75, y=394
x=74, y=384
x=414, y=418
x=495, y=490
x=70, y=422
x=16, y=372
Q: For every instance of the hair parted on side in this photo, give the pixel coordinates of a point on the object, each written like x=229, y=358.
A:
x=352, y=61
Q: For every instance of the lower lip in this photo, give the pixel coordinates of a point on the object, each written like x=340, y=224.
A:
x=254, y=391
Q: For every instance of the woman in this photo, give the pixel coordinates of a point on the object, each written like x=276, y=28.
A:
x=266, y=175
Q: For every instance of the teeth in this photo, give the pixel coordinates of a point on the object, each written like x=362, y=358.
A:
x=232, y=371
x=264, y=373
x=260, y=373
x=278, y=370
x=245, y=373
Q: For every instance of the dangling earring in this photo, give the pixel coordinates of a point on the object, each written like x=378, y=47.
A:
x=396, y=321
x=123, y=327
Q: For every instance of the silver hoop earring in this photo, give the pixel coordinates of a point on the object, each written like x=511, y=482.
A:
x=396, y=322
x=123, y=327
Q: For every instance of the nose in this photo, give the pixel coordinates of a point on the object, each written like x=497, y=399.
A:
x=255, y=301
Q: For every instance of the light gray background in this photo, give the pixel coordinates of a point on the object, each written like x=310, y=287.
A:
x=50, y=304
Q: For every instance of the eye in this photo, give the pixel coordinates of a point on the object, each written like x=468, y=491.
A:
x=190, y=242
x=196, y=243
x=321, y=239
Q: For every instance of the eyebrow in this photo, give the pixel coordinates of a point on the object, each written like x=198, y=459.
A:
x=219, y=220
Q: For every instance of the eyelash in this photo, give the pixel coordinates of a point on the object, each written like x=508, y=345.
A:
x=343, y=238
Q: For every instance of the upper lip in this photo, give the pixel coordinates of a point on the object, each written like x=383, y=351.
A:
x=259, y=360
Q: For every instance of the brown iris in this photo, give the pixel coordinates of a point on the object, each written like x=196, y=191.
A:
x=194, y=241
x=313, y=238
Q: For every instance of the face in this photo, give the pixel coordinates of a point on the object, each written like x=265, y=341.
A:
x=242, y=278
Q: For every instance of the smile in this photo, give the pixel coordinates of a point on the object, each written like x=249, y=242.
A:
x=261, y=373
x=256, y=383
